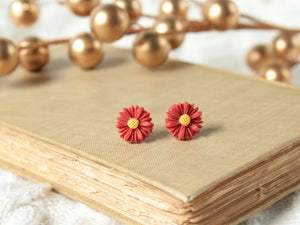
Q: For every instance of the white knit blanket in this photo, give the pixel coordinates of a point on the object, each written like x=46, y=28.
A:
x=23, y=202
x=26, y=203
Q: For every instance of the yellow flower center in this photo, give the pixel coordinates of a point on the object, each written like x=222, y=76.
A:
x=133, y=123
x=185, y=119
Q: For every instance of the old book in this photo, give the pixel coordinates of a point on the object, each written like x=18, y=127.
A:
x=58, y=126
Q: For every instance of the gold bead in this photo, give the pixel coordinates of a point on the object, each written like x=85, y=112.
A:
x=286, y=47
x=258, y=56
x=33, y=59
x=82, y=7
x=220, y=14
x=151, y=49
x=24, y=13
x=8, y=56
x=174, y=7
x=133, y=8
x=172, y=28
x=85, y=50
x=276, y=71
x=109, y=22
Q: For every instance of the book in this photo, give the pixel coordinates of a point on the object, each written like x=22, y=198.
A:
x=58, y=126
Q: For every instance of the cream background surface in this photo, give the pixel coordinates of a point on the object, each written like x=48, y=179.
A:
x=23, y=202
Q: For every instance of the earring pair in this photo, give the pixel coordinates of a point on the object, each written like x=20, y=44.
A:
x=183, y=121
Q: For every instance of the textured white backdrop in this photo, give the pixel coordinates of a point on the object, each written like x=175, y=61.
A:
x=26, y=203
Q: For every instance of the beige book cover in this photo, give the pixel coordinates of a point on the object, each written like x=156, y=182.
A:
x=245, y=119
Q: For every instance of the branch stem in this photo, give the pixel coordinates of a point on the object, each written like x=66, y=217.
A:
x=191, y=26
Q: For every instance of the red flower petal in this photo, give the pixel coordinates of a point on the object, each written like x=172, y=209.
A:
x=128, y=134
x=139, y=112
x=173, y=129
x=192, y=109
x=131, y=111
x=172, y=124
x=136, y=139
x=186, y=107
x=123, y=129
x=175, y=110
x=176, y=132
x=190, y=132
x=172, y=116
x=145, y=115
x=180, y=108
x=144, y=132
x=194, y=128
x=196, y=115
x=146, y=119
x=140, y=135
x=146, y=124
x=181, y=132
x=121, y=124
x=126, y=114
x=147, y=129
x=197, y=120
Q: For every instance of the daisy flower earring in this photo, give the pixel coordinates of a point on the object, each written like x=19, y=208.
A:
x=183, y=120
x=134, y=124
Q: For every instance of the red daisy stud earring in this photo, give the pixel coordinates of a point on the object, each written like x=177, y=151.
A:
x=134, y=124
x=183, y=120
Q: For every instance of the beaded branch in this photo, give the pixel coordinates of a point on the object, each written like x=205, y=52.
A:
x=110, y=22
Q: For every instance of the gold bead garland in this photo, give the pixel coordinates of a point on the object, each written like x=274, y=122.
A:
x=151, y=49
x=8, y=56
x=82, y=7
x=276, y=71
x=133, y=8
x=168, y=24
x=220, y=14
x=273, y=61
x=24, y=13
x=258, y=56
x=32, y=59
x=85, y=50
x=174, y=7
x=110, y=22
x=286, y=46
